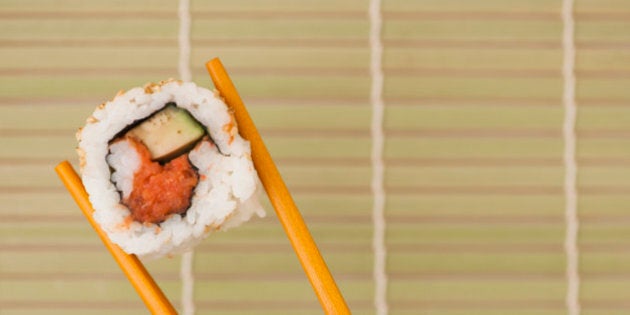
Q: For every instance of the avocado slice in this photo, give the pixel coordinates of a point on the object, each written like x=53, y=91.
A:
x=168, y=133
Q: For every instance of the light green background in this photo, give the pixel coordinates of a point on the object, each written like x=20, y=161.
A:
x=473, y=151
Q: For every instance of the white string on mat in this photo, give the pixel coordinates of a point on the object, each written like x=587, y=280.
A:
x=183, y=39
x=570, y=164
x=188, y=283
x=376, y=129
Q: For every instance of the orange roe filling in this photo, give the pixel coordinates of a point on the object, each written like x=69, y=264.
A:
x=160, y=190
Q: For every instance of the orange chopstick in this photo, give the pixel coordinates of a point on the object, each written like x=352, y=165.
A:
x=303, y=244
x=139, y=277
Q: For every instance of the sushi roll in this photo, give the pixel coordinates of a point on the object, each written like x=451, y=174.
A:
x=164, y=166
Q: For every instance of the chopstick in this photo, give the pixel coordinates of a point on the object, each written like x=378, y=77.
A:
x=303, y=244
x=139, y=277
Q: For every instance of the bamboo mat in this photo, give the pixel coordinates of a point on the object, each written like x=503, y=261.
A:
x=473, y=152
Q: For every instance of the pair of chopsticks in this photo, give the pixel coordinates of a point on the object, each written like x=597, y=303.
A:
x=317, y=272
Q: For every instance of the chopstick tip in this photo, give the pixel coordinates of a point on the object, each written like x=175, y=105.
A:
x=62, y=165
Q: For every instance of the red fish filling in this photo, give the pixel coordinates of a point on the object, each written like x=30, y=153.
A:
x=160, y=190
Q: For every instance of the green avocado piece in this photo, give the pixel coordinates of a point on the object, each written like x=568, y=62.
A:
x=168, y=133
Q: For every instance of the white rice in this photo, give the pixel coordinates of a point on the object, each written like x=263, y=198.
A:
x=228, y=188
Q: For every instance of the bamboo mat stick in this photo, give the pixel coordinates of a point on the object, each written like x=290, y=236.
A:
x=303, y=244
x=139, y=277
